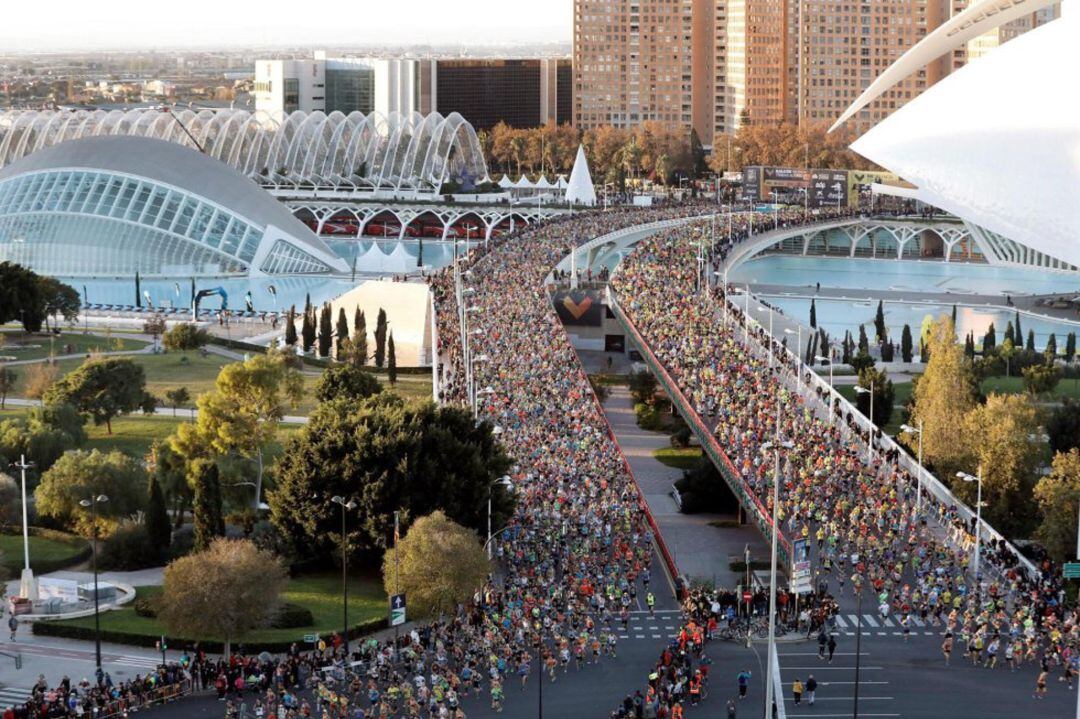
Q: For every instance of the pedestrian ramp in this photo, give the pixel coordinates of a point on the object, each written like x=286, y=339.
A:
x=11, y=696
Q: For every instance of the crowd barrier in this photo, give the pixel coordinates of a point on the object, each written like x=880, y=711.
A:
x=125, y=705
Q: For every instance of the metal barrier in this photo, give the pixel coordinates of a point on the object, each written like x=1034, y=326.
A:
x=715, y=452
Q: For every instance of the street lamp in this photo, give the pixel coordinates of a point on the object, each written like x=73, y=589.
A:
x=832, y=398
x=504, y=482
x=27, y=585
x=769, y=310
x=798, y=352
x=340, y=501
x=778, y=445
x=92, y=503
x=978, y=517
x=919, y=479
x=870, y=442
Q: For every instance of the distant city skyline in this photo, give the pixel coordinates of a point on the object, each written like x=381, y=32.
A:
x=69, y=25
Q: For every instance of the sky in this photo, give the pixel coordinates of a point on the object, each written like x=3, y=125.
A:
x=66, y=25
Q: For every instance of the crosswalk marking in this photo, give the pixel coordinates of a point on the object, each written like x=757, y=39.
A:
x=918, y=622
x=840, y=622
x=853, y=618
x=867, y=619
x=887, y=622
x=10, y=696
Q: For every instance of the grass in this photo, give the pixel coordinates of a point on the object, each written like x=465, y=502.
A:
x=320, y=594
x=37, y=346
x=51, y=551
x=1015, y=385
x=678, y=457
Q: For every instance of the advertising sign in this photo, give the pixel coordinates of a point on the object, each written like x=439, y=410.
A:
x=800, y=567
x=580, y=308
x=828, y=188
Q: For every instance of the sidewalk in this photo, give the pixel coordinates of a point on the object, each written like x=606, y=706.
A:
x=701, y=552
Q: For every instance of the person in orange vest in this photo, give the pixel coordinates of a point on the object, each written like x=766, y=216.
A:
x=695, y=689
x=677, y=711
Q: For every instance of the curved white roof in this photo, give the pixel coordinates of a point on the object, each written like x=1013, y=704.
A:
x=998, y=142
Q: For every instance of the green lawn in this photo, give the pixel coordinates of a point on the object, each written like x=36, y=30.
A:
x=37, y=346
x=678, y=457
x=45, y=552
x=1015, y=385
x=321, y=594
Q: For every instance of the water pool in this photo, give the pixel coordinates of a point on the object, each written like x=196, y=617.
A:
x=840, y=316
x=903, y=275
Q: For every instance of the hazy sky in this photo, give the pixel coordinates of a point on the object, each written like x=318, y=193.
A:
x=59, y=25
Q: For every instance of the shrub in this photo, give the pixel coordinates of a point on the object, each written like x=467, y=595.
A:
x=185, y=336
x=292, y=616
x=648, y=417
x=681, y=437
x=128, y=548
x=146, y=606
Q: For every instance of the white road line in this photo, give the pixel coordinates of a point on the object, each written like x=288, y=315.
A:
x=639, y=636
x=823, y=667
x=854, y=619
x=887, y=622
x=845, y=699
x=819, y=716
x=657, y=636
x=870, y=620
x=861, y=682
x=918, y=622
x=814, y=654
x=840, y=622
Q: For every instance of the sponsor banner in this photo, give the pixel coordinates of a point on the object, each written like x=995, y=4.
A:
x=580, y=308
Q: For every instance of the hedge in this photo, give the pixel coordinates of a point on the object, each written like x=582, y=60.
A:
x=67, y=631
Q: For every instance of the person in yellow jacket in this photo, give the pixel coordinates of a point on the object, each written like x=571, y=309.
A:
x=797, y=691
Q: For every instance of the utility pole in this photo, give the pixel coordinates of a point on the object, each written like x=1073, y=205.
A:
x=27, y=585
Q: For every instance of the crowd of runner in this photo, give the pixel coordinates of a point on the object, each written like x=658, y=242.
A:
x=862, y=519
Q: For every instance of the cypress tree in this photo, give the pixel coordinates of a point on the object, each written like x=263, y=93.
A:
x=954, y=315
x=1031, y=341
x=380, y=338
x=969, y=346
x=846, y=348
x=989, y=340
x=879, y=322
x=360, y=337
x=290, y=327
x=813, y=314
x=1009, y=333
x=391, y=361
x=342, y=330
x=326, y=331
x=157, y=518
x=888, y=351
x=209, y=522
x=864, y=343
x=1070, y=346
x=905, y=344
x=307, y=331
x=823, y=344
x=1051, y=349
x=1019, y=329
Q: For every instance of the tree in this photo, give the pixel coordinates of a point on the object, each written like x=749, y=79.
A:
x=905, y=344
x=880, y=330
x=326, y=331
x=861, y=361
x=290, y=327
x=78, y=475
x=813, y=313
x=346, y=381
x=7, y=383
x=307, y=331
x=103, y=388
x=380, y=338
x=643, y=387
x=19, y=296
x=883, y=395
x=969, y=346
x=157, y=518
x=1041, y=379
x=185, y=337
x=359, y=337
x=989, y=340
x=1019, y=329
x=177, y=397
x=888, y=351
x=389, y=455
x=1058, y=495
x=438, y=564
x=944, y=395
x=847, y=348
x=864, y=342
x=209, y=522
x=58, y=299
x=1051, y=348
x=222, y=592
x=241, y=414
x=154, y=326
x=1070, y=346
x=40, y=376
x=391, y=361
x=170, y=470
x=342, y=330
x=1063, y=426
x=996, y=436
x=43, y=435
x=1030, y=341
x=1007, y=352
x=1009, y=333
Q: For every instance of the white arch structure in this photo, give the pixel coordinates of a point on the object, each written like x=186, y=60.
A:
x=298, y=151
x=488, y=219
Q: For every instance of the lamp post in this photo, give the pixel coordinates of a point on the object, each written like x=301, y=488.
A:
x=978, y=518
x=919, y=479
x=92, y=503
x=777, y=446
x=798, y=352
x=829, y=359
x=870, y=442
x=769, y=310
x=340, y=501
x=746, y=316
x=504, y=482
x=27, y=585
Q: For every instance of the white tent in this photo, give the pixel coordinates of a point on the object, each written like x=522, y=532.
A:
x=506, y=183
x=581, y=190
x=544, y=184
x=524, y=184
x=562, y=184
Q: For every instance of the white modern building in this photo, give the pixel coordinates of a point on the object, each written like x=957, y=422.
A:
x=318, y=84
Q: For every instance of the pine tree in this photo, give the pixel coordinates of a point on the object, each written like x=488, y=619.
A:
x=209, y=522
x=391, y=361
x=307, y=331
x=905, y=344
x=989, y=340
x=157, y=518
x=879, y=322
x=360, y=336
x=864, y=343
x=342, y=330
x=1030, y=341
x=326, y=331
x=380, y=338
x=1051, y=348
x=290, y=327
x=1070, y=346
x=813, y=313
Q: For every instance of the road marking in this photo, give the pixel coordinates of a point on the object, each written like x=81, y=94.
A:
x=861, y=682
x=854, y=619
x=887, y=622
x=823, y=667
x=657, y=636
x=840, y=622
x=845, y=699
x=799, y=716
x=814, y=654
x=639, y=636
x=870, y=620
x=918, y=622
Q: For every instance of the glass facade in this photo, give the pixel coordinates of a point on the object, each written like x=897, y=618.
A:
x=82, y=223
x=350, y=89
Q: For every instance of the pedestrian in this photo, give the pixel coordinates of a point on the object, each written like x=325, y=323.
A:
x=832, y=646
x=797, y=691
x=744, y=682
x=13, y=625
x=811, y=689
x=822, y=641
x=1040, y=685
x=731, y=709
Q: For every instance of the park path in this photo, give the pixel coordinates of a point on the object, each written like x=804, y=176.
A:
x=701, y=551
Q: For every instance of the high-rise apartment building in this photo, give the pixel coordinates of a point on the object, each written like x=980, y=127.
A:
x=987, y=42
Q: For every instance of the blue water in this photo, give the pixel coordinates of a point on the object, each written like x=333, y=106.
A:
x=921, y=276
x=840, y=316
